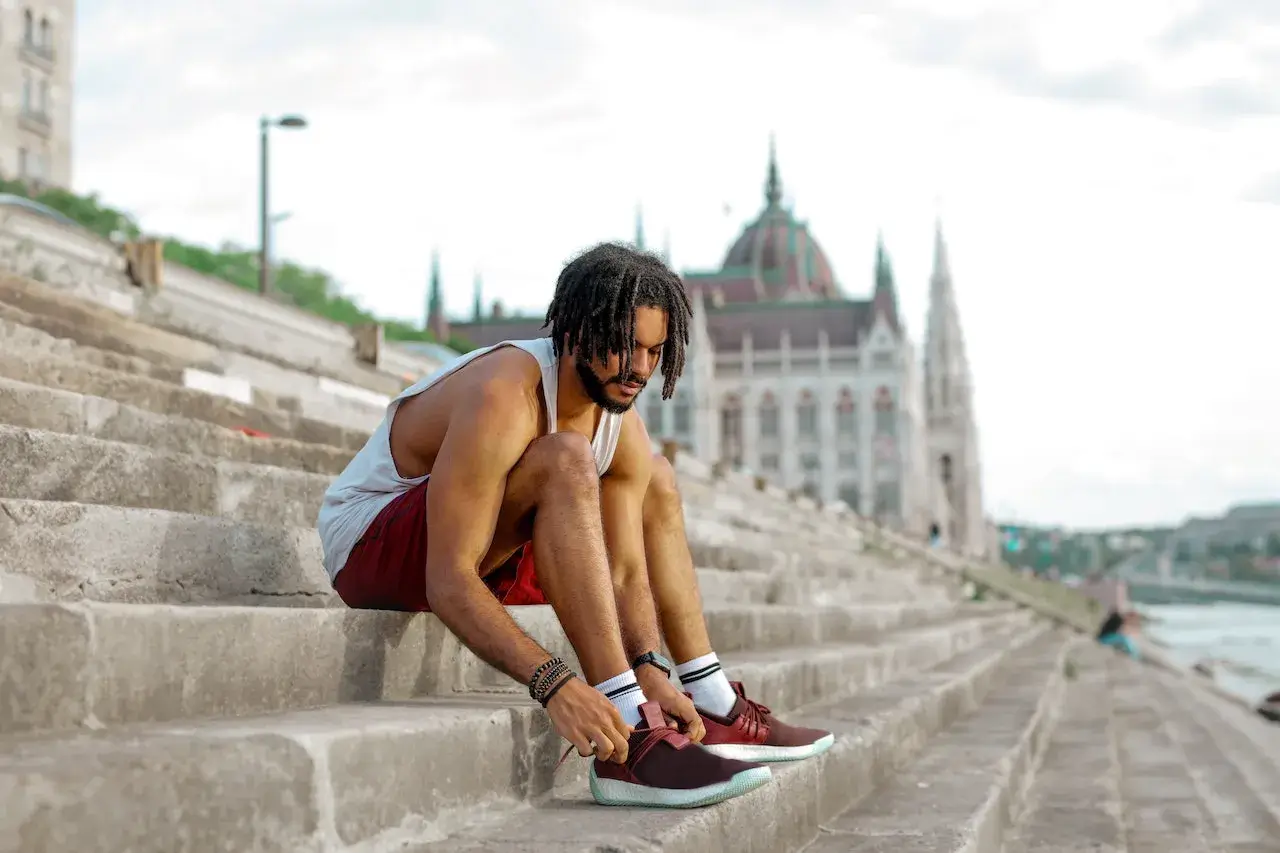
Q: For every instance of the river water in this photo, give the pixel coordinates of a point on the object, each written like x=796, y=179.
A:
x=1244, y=639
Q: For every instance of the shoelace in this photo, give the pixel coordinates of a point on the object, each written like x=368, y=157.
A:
x=755, y=717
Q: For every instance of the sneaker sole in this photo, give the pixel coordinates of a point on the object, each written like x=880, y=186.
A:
x=614, y=792
x=760, y=752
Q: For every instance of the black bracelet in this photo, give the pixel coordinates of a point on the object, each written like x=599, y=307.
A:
x=549, y=678
x=556, y=689
x=538, y=674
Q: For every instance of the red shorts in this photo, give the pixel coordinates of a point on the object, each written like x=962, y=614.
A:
x=387, y=568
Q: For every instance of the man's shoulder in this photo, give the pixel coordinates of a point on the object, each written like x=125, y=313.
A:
x=509, y=364
x=504, y=383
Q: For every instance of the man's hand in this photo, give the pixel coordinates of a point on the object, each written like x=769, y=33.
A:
x=658, y=688
x=584, y=717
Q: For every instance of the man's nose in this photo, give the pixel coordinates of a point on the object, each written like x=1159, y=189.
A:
x=642, y=364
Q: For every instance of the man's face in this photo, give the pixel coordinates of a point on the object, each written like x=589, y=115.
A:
x=603, y=380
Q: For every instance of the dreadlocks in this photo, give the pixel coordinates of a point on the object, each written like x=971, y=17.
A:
x=594, y=309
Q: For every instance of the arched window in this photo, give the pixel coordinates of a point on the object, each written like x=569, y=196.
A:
x=768, y=416
x=886, y=413
x=46, y=34
x=846, y=415
x=945, y=465
x=28, y=27
x=807, y=416
x=731, y=430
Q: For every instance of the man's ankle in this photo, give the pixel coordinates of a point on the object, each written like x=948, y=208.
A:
x=703, y=678
x=625, y=694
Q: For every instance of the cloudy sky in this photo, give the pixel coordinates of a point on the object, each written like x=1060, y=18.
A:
x=1109, y=176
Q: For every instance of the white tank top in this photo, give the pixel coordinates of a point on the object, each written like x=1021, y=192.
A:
x=370, y=481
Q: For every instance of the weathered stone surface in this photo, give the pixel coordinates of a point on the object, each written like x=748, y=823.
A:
x=877, y=731
x=165, y=398
x=104, y=553
x=50, y=466
x=399, y=774
x=35, y=407
x=76, y=551
x=94, y=664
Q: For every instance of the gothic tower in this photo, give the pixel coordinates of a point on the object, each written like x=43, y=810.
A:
x=954, y=466
x=437, y=323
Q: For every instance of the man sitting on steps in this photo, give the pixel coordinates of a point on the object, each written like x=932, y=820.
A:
x=529, y=453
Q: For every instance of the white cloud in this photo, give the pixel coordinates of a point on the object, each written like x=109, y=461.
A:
x=1116, y=284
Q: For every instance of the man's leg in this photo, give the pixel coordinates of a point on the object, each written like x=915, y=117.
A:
x=737, y=727
x=674, y=584
x=553, y=498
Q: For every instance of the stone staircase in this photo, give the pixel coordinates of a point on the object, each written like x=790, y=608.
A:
x=176, y=674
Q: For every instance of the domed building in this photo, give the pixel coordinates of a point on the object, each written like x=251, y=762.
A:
x=790, y=378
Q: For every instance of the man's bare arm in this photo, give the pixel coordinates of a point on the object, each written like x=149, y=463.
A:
x=622, y=492
x=487, y=435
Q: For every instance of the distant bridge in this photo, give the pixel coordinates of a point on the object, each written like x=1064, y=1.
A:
x=1148, y=587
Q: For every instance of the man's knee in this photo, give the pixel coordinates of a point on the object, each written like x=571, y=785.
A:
x=562, y=457
x=663, y=494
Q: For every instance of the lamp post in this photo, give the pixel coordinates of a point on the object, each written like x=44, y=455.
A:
x=264, y=216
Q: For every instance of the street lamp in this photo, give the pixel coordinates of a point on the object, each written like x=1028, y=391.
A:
x=264, y=217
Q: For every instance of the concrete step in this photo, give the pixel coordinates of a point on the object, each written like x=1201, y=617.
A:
x=95, y=664
x=184, y=460
x=54, y=550
x=877, y=731
x=1074, y=804
x=43, y=465
x=960, y=794
x=97, y=326
x=1163, y=806
x=36, y=407
x=390, y=774
x=1237, y=781
x=166, y=398
x=18, y=335
x=64, y=551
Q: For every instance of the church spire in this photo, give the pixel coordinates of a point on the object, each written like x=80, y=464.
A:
x=639, y=241
x=773, y=183
x=885, y=298
x=946, y=363
x=477, y=300
x=437, y=323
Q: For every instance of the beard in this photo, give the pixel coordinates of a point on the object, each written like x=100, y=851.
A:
x=595, y=387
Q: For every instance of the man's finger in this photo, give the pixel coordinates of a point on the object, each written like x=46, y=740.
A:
x=618, y=735
x=603, y=744
x=697, y=731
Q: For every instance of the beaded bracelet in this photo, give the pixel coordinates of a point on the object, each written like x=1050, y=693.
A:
x=548, y=678
x=542, y=668
x=556, y=689
x=537, y=682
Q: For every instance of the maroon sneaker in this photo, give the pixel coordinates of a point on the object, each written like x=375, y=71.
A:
x=750, y=732
x=665, y=769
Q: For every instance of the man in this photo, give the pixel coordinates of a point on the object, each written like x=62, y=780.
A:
x=530, y=454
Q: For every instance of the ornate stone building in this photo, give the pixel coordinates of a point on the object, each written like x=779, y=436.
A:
x=790, y=378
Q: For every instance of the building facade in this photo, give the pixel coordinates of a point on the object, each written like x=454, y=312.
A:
x=819, y=392
x=36, y=43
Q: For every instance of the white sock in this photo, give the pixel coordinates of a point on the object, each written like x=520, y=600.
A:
x=626, y=696
x=706, y=682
